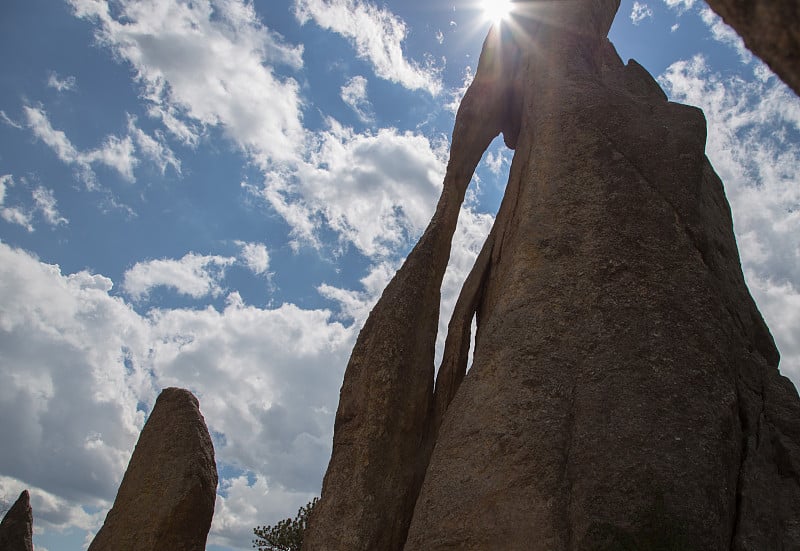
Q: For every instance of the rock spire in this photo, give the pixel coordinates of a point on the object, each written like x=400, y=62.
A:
x=16, y=529
x=166, y=499
x=624, y=391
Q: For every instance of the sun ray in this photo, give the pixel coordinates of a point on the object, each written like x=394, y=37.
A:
x=496, y=10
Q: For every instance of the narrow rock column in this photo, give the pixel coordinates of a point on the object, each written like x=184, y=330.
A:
x=16, y=530
x=380, y=444
x=166, y=499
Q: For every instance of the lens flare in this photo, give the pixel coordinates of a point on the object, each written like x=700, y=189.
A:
x=496, y=10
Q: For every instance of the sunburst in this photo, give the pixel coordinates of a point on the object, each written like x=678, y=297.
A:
x=496, y=10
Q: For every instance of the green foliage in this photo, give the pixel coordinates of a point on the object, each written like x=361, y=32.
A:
x=287, y=535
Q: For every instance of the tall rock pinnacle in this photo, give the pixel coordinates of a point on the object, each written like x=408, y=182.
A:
x=624, y=391
x=16, y=529
x=166, y=499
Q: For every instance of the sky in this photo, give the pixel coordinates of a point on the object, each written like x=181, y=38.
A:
x=212, y=194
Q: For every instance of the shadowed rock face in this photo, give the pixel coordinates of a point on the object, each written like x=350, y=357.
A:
x=624, y=392
x=166, y=499
x=16, y=529
x=771, y=29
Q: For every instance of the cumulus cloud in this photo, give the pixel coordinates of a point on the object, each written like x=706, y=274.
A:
x=640, y=12
x=193, y=275
x=59, y=84
x=81, y=368
x=207, y=63
x=255, y=256
x=354, y=94
x=70, y=387
x=753, y=131
x=375, y=189
x=241, y=506
x=377, y=35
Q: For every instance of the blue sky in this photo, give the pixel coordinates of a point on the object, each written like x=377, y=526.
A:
x=212, y=194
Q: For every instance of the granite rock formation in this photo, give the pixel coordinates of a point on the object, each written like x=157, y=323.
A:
x=770, y=29
x=16, y=529
x=166, y=498
x=624, y=391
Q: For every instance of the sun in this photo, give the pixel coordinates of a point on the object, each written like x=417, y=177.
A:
x=496, y=10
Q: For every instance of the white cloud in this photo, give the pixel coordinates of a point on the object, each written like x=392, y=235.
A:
x=267, y=379
x=194, y=275
x=49, y=510
x=65, y=84
x=80, y=368
x=753, y=130
x=45, y=203
x=246, y=506
x=457, y=94
x=440, y=37
x=255, y=256
x=354, y=94
x=12, y=215
x=55, y=139
x=356, y=304
x=154, y=149
x=780, y=303
x=471, y=232
x=640, y=12
x=377, y=35
x=680, y=5
x=495, y=160
x=70, y=388
x=15, y=215
x=725, y=34
x=206, y=63
x=7, y=120
x=116, y=153
x=375, y=190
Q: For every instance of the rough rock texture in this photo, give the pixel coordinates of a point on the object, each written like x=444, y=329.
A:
x=771, y=29
x=166, y=499
x=16, y=529
x=381, y=444
x=624, y=392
